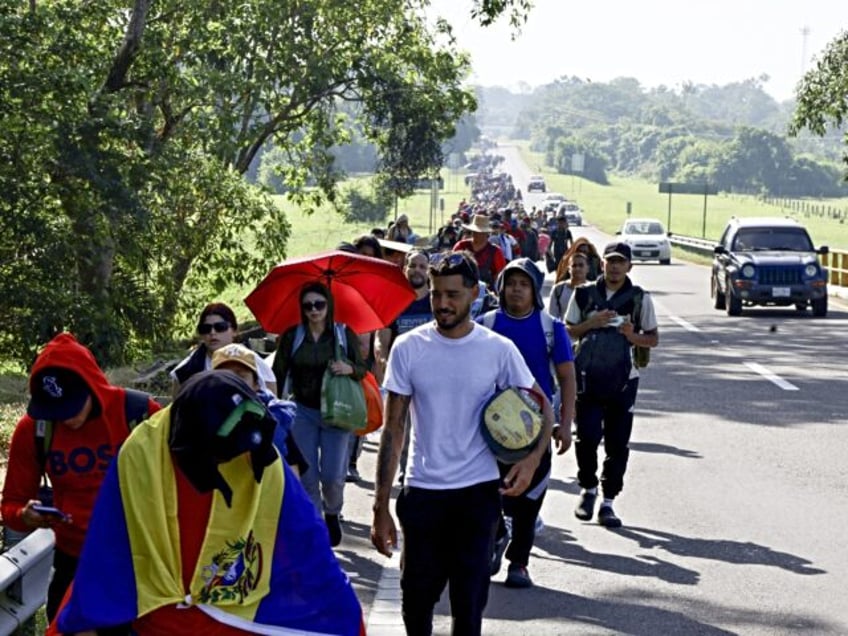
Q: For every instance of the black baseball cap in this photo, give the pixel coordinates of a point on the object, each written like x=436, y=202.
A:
x=57, y=393
x=619, y=249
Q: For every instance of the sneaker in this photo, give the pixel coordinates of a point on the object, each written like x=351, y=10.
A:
x=518, y=576
x=497, y=554
x=607, y=518
x=586, y=507
x=334, y=527
x=353, y=475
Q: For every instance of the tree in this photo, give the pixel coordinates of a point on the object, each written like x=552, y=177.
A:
x=125, y=135
x=823, y=93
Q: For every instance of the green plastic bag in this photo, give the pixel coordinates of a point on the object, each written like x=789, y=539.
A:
x=343, y=400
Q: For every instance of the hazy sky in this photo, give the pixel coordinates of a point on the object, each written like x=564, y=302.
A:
x=654, y=41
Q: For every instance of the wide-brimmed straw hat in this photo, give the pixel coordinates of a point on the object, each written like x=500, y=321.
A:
x=479, y=223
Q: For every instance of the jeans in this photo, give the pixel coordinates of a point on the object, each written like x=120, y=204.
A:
x=611, y=420
x=448, y=537
x=326, y=450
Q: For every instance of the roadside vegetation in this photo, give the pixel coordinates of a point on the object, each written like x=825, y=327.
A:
x=605, y=206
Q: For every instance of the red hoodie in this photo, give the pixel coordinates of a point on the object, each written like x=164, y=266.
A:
x=77, y=460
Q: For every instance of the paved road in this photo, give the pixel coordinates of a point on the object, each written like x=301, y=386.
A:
x=735, y=502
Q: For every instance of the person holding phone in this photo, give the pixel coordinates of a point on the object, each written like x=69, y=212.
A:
x=74, y=425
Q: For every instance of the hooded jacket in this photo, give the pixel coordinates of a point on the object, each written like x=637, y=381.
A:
x=529, y=268
x=77, y=459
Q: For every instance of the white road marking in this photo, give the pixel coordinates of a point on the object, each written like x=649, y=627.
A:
x=771, y=377
x=688, y=326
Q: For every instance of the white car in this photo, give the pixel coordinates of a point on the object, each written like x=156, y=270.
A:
x=572, y=213
x=552, y=200
x=647, y=239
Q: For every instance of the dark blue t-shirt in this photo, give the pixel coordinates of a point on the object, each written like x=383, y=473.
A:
x=418, y=313
x=529, y=336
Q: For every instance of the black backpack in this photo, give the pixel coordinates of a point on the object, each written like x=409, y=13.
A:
x=603, y=361
x=135, y=412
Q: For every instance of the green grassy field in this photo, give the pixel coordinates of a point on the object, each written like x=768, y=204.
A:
x=606, y=206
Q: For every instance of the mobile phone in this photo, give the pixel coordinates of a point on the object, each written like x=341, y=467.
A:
x=48, y=510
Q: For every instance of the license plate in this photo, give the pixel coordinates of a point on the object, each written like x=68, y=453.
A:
x=781, y=292
x=644, y=253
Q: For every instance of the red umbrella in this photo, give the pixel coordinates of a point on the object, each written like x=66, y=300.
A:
x=368, y=293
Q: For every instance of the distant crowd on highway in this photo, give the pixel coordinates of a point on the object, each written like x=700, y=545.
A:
x=219, y=512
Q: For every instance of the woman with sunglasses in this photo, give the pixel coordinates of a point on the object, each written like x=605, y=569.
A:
x=303, y=361
x=216, y=328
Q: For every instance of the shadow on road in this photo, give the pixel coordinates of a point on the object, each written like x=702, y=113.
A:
x=561, y=546
x=719, y=550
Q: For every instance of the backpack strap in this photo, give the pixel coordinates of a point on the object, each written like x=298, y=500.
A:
x=489, y=319
x=341, y=335
x=136, y=407
x=43, y=439
x=299, y=337
x=558, y=297
x=548, y=329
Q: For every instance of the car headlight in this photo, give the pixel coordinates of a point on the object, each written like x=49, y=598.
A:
x=748, y=271
x=811, y=270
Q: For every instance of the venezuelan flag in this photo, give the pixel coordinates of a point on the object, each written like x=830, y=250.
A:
x=265, y=565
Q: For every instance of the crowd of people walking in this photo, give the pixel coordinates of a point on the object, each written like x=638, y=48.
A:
x=247, y=473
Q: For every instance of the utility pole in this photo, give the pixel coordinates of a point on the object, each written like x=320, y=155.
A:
x=805, y=33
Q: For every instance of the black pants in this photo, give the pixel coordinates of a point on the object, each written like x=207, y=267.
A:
x=64, y=568
x=612, y=420
x=524, y=511
x=448, y=537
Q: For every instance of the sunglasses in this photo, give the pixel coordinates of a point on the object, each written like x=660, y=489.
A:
x=317, y=305
x=207, y=327
x=444, y=260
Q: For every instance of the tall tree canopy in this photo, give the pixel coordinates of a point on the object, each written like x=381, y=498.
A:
x=823, y=93
x=125, y=132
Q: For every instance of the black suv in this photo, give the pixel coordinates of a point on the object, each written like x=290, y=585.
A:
x=767, y=261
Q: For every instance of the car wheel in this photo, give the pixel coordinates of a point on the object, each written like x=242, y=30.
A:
x=718, y=297
x=733, y=304
x=665, y=261
x=819, y=307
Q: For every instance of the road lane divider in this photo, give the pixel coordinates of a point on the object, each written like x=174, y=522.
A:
x=771, y=376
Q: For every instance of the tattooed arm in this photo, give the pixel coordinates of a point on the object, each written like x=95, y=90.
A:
x=383, y=530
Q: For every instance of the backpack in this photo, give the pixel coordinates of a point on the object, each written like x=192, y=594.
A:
x=603, y=359
x=135, y=412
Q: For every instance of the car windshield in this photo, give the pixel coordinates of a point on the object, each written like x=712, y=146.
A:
x=643, y=228
x=762, y=239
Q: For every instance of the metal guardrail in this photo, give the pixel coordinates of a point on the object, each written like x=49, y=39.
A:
x=24, y=576
x=699, y=245
x=836, y=261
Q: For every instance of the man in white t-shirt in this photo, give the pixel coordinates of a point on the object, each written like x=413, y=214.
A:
x=443, y=372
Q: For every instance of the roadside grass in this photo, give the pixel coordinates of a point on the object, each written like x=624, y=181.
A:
x=606, y=206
